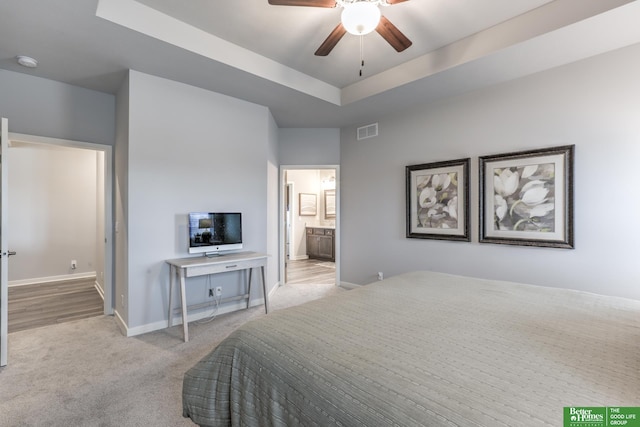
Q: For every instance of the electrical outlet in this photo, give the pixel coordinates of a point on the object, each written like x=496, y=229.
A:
x=380, y=275
x=219, y=291
x=74, y=264
x=210, y=292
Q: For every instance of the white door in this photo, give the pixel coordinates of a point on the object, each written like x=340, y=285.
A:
x=4, y=249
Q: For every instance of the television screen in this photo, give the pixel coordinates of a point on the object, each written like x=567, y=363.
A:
x=211, y=232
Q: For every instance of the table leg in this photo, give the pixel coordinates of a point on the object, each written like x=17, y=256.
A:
x=264, y=291
x=172, y=281
x=249, y=288
x=183, y=298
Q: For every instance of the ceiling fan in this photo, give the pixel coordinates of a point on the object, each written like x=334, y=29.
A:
x=359, y=17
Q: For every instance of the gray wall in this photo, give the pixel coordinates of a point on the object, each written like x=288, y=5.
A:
x=592, y=104
x=188, y=150
x=273, y=219
x=121, y=202
x=309, y=146
x=42, y=107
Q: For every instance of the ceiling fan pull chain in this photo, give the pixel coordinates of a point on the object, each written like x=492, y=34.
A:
x=361, y=54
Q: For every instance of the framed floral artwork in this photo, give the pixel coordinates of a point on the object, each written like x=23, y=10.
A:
x=437, y=196
x=526, y=198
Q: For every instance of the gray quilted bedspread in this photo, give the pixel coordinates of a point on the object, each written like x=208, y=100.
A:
x=423, y=349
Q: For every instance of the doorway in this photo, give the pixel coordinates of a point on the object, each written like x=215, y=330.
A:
x=289, y=191
x=309, y=213
x=102, y=248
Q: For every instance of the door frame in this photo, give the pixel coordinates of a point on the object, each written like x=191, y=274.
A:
x=4, y=249
x=281, y=214
x=288, y=226
x=107, y=150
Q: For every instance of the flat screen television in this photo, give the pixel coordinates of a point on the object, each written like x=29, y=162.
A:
x=213, y=232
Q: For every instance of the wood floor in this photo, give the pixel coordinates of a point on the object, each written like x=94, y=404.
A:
x=42, y=304
x=311, y=271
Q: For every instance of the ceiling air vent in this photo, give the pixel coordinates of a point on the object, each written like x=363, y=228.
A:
x=368, y=131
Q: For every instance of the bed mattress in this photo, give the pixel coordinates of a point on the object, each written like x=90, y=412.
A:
x=423, y=348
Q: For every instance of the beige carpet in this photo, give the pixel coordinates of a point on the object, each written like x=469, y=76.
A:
x=85, y=373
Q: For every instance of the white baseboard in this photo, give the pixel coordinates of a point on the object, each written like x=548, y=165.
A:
x=274, y=289
x=120, y=322
x=99, y=289
x=348, y=285
x=34, y=281
x=194, y=315
x=298, y=257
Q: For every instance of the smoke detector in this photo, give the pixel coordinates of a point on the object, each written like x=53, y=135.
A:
x=27, y=61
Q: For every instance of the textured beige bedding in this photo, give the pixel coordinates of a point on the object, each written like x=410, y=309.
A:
x=424, y=349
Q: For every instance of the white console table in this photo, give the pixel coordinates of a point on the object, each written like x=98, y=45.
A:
x=182, y=268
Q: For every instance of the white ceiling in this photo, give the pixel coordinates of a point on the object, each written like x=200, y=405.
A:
x=264, y=54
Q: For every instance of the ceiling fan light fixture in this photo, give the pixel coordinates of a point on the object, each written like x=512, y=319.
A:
x=361, y=17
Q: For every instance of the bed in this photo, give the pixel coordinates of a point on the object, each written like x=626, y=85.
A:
x=423, y=348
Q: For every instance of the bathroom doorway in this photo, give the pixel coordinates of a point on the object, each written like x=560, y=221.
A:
x=310, y=224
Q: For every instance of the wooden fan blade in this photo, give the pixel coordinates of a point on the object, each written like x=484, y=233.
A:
x=330, y=42
x=393, y=35
x=395, y=1
x=310, y=3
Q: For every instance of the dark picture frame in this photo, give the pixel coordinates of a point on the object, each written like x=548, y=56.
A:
x=437, y=200
x=526, y=198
